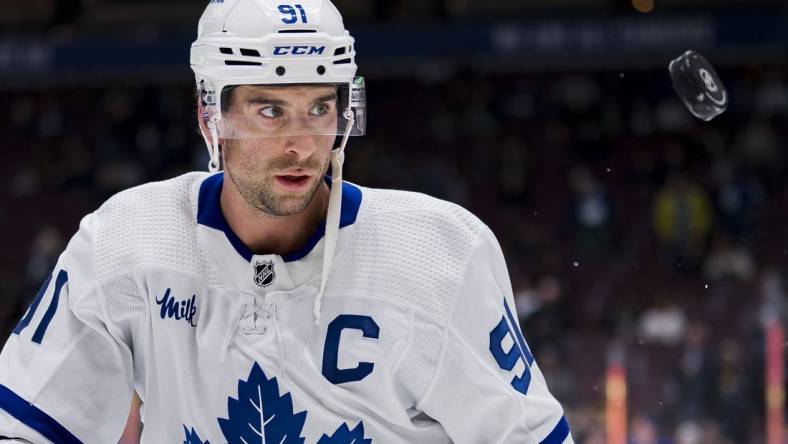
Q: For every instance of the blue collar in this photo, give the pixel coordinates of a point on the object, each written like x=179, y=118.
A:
x=209, y=213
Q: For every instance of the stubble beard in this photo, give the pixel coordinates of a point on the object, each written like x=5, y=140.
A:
x=263, y=194
x=263, y=197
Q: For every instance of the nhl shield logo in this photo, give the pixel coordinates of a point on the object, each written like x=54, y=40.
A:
x=264, y=273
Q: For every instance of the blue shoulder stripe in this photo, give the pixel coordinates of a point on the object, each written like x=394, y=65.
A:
x=559, y=433
x=31, y=416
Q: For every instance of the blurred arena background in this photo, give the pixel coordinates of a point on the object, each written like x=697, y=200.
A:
x=648, y=250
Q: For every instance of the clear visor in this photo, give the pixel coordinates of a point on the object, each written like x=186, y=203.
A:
x=264, y=111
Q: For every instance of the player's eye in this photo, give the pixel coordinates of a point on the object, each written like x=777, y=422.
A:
x=320, y=110
x=271, y=112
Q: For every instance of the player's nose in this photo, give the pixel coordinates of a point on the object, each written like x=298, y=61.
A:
x=301, y=146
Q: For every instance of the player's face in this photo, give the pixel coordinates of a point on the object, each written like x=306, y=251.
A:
x=279, y=173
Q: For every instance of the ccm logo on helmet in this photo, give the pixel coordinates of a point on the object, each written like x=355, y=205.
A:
x=299, y=50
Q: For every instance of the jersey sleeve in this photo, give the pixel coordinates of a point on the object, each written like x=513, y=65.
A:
x=66, y=369
x=487, y=387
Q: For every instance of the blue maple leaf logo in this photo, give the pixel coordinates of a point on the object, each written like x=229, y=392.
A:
x=192, y=437
x=260, y=415
x=344, y=435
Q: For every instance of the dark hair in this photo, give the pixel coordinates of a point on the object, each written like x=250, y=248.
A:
x=227, y=97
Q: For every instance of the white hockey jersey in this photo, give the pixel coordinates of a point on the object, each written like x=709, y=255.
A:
x=418, y=341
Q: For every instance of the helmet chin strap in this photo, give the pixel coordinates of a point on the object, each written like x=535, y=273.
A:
x=213, y=145
x=332, y=216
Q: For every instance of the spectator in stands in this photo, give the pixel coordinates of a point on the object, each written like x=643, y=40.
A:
x=737, y=198
x=513, y=169
x=526, y=297
x=758, y=146
x=773, y=297
x=705, y=432
x=771, y=95
x=733, y=391
x=47, y=245
x=546, y=308
x=712, y=434
x=689, y=432
x=644, y=430
x=664, y=323
x=682, y=220
x=588, y=424
x=728, y=261
x=44, y=252
x=555, y=366
x=695, y=374
x=590, y=212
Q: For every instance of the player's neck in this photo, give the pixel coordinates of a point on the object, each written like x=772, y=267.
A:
x=264, y=234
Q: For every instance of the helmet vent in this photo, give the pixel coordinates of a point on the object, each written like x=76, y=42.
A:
x=340, y=51
x=297, y=31
x=343, y=62
x=226, y=50
x=241, y=63
x=250, y=52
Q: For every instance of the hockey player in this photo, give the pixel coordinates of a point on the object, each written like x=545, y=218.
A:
x=269, y=302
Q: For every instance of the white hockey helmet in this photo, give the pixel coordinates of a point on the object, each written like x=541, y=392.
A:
x=267, y=42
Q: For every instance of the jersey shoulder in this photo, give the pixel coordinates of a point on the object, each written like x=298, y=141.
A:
x=410, y=249
x=149, y=225
x=415, y=207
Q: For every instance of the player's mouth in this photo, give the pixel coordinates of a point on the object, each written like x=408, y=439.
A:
x=292, y=182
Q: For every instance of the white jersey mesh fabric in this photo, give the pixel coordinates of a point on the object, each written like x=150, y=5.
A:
x=418, y=365
x=419, y=244
x=127, y=302
x=151, y=225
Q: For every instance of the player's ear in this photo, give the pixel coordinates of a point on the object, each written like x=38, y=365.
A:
x=206, y=107
x=203, y=117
